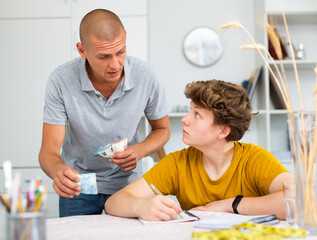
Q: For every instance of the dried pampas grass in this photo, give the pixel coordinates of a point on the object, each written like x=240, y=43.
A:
x=253, y=46
x=233, y=24
x=275, y=40
x=304, y=151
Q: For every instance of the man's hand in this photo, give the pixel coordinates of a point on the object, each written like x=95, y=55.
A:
x=126, y=160
x=64, y=182
x=159, y=208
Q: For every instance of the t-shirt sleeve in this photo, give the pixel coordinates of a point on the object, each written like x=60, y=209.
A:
x=263, y=168
x=157, y=105
x=54, y=108
x=164, y=175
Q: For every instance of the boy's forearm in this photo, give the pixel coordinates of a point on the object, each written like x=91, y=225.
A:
x=123, y=204
x=269, y=204
x=265, y=205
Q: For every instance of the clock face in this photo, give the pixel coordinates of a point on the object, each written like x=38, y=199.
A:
x=202, y=46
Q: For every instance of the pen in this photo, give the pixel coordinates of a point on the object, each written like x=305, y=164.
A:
x=264, y=219
x=40, y=200
x=15, y=192
x=155, y=189
x=191, y=214
x=20, y=206
x=37, y=182
x=7, y=171
x=159, y=193
x=6, y=202
x=30, y=195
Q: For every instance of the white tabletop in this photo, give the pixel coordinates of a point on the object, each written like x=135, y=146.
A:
x=93, y=227
x=108, y=227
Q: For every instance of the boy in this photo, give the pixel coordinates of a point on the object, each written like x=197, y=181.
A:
x=216, y=173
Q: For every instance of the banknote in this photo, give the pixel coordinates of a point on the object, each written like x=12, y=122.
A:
x=88, y=183
x=108, y=150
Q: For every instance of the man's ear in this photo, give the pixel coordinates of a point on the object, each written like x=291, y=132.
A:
x=225, y=131
x=81, y=50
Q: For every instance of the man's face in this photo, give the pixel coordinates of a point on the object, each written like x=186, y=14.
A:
x=106, y=59
x=199, y=129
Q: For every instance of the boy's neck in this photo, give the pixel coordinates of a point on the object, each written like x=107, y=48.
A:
x=218, y=159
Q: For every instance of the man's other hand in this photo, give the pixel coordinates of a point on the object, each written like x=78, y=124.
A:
x=126, y=160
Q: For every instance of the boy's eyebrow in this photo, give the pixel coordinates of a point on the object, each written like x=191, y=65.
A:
x=196, y=106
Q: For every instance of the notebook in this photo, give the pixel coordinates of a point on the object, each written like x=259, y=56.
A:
x=228, y=220
x=184, y=216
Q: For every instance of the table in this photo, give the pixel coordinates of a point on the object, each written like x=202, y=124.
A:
x=96, y=227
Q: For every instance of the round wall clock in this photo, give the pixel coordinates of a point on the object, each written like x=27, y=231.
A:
x=202, y=46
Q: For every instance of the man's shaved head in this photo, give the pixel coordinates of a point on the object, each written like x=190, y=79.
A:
x=101, y=24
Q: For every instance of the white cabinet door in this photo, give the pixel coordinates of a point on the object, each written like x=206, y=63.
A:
x=137, y=42
x=133, y=15
x=120, y=7
x=30, y=50
x=34, y=8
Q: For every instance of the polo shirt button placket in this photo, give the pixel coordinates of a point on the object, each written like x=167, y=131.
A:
x=106, y=105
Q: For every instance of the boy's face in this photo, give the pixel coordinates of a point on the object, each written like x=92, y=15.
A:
x=199, y=129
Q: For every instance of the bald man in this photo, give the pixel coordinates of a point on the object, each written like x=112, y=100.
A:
x=93, y=100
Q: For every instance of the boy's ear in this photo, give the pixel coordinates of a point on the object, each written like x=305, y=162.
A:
x=225, y=131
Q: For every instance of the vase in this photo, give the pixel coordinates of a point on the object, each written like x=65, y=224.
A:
x=303, y=142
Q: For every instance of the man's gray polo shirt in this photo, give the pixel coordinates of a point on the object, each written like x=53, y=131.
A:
x=93, y=121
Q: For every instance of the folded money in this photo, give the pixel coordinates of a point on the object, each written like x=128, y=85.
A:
x=108, y=150
x=88, y=183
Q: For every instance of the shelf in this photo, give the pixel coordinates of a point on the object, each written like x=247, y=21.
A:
x=301, y=17
x=293, y=18
x=290, y=6
x=259, y=111
x=288, y=63
x=278, y=111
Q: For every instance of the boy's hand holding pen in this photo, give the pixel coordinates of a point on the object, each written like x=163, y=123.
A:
x=159, y=193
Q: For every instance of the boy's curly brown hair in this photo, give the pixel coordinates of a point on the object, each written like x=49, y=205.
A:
x=229, y=103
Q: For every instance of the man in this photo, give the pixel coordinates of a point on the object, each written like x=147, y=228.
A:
x=95, y=100
x=216, y=173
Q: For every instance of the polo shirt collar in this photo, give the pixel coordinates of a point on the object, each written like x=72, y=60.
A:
x=86, y=84
x=125, y=84
x=128, y=81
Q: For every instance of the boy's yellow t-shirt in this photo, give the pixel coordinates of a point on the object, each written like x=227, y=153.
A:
x=183, y=174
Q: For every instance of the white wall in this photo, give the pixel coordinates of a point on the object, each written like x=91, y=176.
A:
x=37, y=37
x=170, y=21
